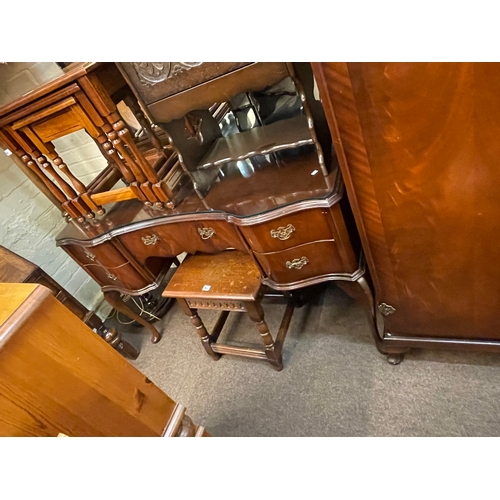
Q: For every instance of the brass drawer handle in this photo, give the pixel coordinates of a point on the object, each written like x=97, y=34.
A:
x=150, y=240
x=297, y=263
x=282, y=233
x=89, y=254
x=111, y=276
x=206, y=232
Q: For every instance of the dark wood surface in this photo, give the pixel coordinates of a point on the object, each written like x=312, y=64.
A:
x=302, y=262
x=264, y=193
x=14, y=268
x=158, y=80
x=418, y=149
x=120, y=260
x=148, y=234
x=248, y=77
x=173, y=239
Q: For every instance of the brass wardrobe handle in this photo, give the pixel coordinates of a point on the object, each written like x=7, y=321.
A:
x=206, y=232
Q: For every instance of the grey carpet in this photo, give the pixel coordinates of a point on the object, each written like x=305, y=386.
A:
x=334, y=382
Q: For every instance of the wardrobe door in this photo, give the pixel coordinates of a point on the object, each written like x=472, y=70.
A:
x=419, y=150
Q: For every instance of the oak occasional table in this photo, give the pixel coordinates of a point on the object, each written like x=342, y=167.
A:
x=229, y=282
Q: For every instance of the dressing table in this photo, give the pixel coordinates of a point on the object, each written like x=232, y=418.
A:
x=273, y=191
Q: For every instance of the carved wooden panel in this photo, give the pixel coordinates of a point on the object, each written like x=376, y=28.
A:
x=157, y=80
x=229, y=305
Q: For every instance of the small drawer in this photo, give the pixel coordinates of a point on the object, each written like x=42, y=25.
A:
x=302, y=262
x=124, y=277
x=169, y=240
x=106, y=255
x=289, y=231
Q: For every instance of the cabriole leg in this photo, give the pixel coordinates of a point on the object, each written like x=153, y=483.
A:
x=360, y=291
x=113, y=298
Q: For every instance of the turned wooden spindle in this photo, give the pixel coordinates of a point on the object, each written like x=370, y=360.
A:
x=203, y=333
x=75, y=200
x=31, y=164
x=200, y=328
x=46, y=165
x=86, y=197
x=124, y=133
x=80, y=188
x=115, y=158
x=144, y=123
x=256, y=314
x=34, y=172
x=124, y=170
x=137, y=174
x=114, y=339
x=58, y=162
x=265, y=334
x=67, y=207
x=112, y=135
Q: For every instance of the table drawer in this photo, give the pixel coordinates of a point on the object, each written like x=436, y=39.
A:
x=105, y=254
x=302, y=262
x=170, y=240
x=290, y=230
x=123, y=277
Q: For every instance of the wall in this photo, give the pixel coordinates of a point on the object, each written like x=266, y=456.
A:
x=29, y=222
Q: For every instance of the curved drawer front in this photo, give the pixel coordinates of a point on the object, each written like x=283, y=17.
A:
x=118, y=273
x=105, y=255
x=123, y=277
x=302, y=262
x=289, y=231
x=169, y=240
